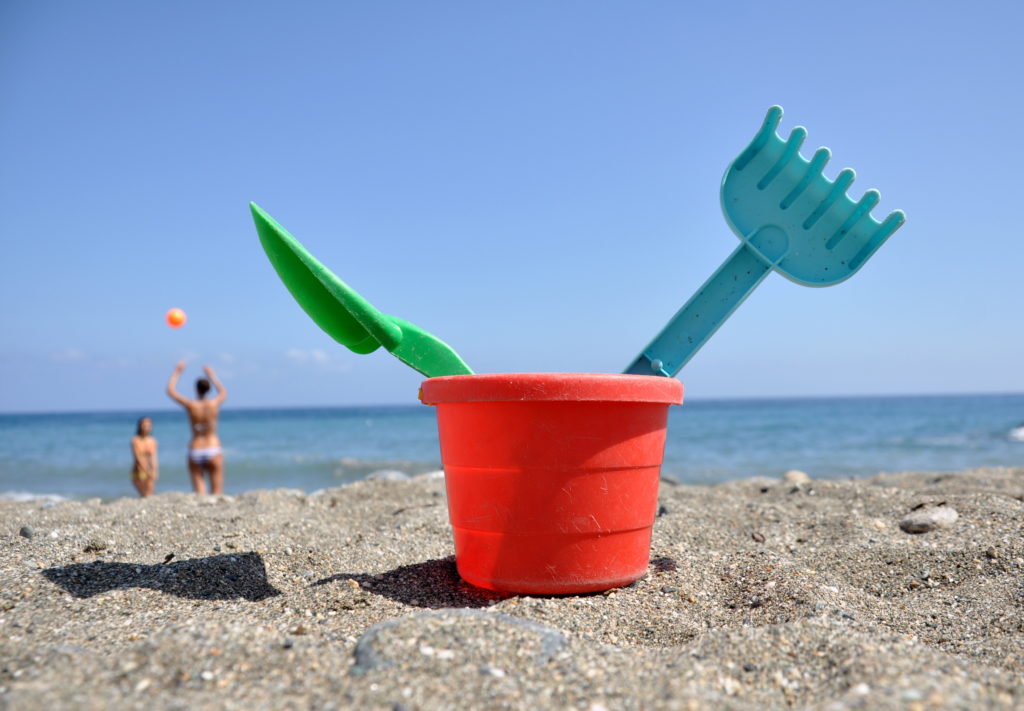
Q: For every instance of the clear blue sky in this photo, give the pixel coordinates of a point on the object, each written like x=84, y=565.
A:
x=534, y=182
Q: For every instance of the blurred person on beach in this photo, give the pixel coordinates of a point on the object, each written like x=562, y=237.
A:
x=145, y=469
x=205, y=455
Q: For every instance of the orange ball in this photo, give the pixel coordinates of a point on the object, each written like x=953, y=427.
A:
x=175, y=318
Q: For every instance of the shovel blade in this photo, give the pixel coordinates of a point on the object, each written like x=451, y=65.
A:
x=332, y=304
x=345, y=315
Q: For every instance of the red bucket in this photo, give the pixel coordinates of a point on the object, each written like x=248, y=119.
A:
x=552, y=478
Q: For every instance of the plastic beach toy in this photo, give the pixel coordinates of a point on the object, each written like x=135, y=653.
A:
x=791, y=219
x=552, y=478
x=175, y=318
x=345, y=315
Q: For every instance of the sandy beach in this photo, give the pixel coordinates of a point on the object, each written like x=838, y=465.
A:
x=761, y=593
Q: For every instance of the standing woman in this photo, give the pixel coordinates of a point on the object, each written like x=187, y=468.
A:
x=205, y=456
x=145, y=469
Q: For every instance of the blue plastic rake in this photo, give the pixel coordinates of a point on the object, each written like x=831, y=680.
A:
x=791, y=219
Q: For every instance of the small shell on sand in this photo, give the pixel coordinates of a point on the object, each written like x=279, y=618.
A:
x=929, y=518
x=796, y=477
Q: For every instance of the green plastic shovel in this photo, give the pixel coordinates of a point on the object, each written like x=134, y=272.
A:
x=346, y=316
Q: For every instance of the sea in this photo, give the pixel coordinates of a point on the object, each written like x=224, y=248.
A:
x=87, y=454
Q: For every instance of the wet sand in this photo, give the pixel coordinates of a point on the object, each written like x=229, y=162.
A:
x=761, y=594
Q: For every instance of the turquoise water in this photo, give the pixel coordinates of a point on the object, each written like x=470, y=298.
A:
x=87, y=454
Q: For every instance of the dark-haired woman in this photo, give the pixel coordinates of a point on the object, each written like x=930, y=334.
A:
x=145, y=469
x=205, y=456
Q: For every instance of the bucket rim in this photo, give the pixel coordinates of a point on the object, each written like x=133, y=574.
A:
x=551, y=387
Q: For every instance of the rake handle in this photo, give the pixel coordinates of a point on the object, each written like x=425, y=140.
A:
x=703, y=314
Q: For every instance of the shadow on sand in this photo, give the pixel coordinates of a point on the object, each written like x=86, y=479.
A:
x=436, y=584
x=220, y=577
x=432, y=584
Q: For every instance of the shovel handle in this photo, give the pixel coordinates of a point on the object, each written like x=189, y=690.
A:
x=703, y=314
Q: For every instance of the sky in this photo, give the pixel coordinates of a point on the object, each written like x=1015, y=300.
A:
x=536, y=183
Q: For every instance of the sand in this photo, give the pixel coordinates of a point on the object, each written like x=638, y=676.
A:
x=761, y=594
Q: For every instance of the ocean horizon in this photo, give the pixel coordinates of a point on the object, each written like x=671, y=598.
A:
x=87, y=454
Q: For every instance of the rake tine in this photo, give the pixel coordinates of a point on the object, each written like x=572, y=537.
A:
x=771, y=122
x=815, y=167
x=843, y=181
x=793, y=143
x=863, y=207
x=892, y=223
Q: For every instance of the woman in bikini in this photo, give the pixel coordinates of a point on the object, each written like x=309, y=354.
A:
x=205, y=456
x=145, y=469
